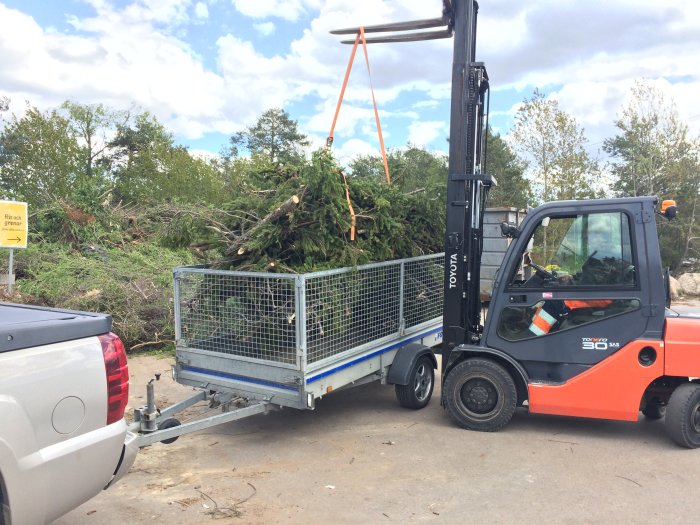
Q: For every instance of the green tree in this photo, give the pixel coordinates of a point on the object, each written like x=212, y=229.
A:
x=512, y=189
x=275, y=137
x=150, y=167
x=413, y=169
x=90, y=125
x=40, y=158
x=552, y=144
x=654, y=154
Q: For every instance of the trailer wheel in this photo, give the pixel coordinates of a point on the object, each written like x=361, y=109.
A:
x=416, y=394
x=480, y=395
x=169, y=423
x=683, y=415
x=654, y=411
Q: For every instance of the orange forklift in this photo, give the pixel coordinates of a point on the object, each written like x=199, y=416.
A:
x=579, y=321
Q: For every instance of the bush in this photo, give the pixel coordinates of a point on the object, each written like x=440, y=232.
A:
x=134, y=284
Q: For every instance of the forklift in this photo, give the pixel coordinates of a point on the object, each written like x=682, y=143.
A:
x=579, y=321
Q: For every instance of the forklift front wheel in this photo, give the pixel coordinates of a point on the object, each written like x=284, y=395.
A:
x=480, y=395
x=416, y=394
x=683, y=415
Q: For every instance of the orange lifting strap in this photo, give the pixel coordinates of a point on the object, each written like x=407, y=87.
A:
x=329, y=141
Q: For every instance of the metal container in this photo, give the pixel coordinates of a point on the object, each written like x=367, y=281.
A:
x=289, y=339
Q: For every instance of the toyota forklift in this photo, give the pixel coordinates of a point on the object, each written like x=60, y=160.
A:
x=578, y=323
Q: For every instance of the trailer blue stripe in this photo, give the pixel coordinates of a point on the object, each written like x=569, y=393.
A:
x=235, y=377
x=370, y=356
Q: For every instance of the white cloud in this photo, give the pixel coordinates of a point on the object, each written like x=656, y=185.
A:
x=423, y=133
x=352, y=148
x=286, y=9
x=585, y=54
x=201, y=10
x=265, y=28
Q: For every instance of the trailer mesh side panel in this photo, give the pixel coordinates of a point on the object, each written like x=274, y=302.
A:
x=239, y=315
x=423, y=290
x=292, y=319
x=350, y=309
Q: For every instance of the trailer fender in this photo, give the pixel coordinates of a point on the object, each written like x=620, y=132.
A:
x=406, y=357
x=515, y=369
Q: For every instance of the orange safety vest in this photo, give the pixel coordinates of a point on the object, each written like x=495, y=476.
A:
x=542, y=322
x=573, y=304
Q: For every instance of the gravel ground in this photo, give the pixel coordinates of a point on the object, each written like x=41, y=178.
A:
x=360, y=458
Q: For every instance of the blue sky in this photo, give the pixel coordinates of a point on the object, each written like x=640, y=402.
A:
x=208, y=68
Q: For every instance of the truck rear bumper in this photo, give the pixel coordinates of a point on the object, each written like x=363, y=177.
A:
x=127, y=459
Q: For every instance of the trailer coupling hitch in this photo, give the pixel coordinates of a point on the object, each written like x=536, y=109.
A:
x=147, y=414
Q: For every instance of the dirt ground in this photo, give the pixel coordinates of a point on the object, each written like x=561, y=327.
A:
x=360, y=458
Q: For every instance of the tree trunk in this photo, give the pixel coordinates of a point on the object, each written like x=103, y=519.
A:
x=287, y=206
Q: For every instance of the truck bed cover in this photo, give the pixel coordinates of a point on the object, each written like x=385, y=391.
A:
x=24, y=326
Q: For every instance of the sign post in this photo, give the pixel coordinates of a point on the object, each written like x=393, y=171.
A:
x=14, y=229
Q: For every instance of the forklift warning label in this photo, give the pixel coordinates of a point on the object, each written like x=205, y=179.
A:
x=598, y=343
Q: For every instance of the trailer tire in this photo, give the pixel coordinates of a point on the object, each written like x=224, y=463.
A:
x=480, y=395
x=683, y=415
x=654, y=411
x=416, y=394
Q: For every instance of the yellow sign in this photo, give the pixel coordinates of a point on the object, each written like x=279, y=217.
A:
x=13, y=224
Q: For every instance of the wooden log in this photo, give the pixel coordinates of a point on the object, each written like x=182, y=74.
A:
x=283, y=209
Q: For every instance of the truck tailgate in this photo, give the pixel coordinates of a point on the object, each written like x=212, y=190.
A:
x=24, y=326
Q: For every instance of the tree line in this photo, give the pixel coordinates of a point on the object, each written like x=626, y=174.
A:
x=78, y=160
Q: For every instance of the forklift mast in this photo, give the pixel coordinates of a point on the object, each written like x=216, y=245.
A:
x=467, y=184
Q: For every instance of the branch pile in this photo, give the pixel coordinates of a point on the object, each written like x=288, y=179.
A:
x=297, y=220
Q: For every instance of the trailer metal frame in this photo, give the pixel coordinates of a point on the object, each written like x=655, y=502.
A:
x=251, y=342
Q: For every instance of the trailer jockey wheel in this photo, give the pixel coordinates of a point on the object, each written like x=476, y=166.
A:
x=480, y=395
x=683, y=415
x=169, y=423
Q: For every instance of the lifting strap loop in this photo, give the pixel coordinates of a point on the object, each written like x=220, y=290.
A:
x=376, y=111
x=329, y=140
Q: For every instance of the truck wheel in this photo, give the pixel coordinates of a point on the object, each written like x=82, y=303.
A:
x=169, y=423
x=654, y=411
x=683, y=415
x=417, y=392
x=480, y=395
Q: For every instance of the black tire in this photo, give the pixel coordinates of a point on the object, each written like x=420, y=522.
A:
x=169, y=423
x=416, y=394
x=654, y=411
x=683, y=415
x=480, y=395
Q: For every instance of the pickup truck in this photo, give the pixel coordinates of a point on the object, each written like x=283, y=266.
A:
x=64, y=385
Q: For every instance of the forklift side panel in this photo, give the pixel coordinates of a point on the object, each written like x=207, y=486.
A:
x=682, y=347
x=612, y=389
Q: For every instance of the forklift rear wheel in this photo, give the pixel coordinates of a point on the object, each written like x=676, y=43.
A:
x=416, y=394
x=169, y=423
x=480, y=395
x=654, y=411
x=683, y=415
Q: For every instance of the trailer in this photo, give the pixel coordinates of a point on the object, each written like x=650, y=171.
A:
x=251, y=342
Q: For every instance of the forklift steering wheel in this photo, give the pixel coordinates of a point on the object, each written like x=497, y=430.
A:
x=543, y=273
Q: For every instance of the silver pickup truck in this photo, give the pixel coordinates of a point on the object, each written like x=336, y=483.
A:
x=64, y=385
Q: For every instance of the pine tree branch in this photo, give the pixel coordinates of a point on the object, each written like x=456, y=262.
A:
x=237, y=247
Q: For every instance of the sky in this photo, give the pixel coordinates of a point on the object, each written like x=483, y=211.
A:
x=209, y=68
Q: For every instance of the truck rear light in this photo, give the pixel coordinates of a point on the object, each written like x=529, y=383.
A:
x=117, y=376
